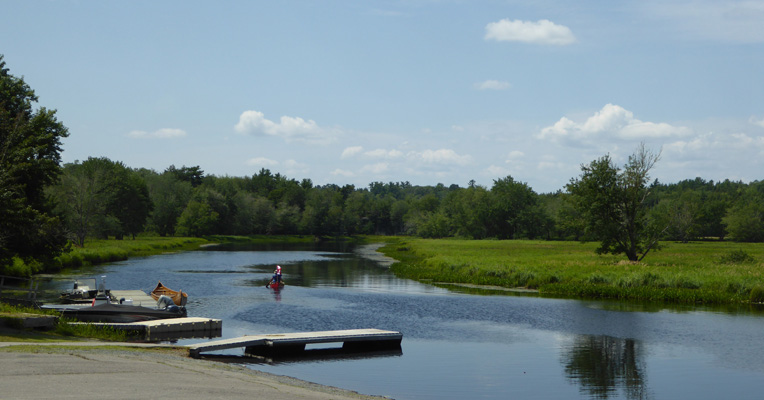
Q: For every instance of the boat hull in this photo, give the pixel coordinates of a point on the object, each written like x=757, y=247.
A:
x=118, y=313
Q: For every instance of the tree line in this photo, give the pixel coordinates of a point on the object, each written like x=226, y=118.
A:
x=103, y=198
x=46, y=207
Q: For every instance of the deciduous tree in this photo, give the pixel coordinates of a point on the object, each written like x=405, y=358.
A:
x=30, y=148
x=613, y=204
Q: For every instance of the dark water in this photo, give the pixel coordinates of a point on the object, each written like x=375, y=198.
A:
x=459, y=346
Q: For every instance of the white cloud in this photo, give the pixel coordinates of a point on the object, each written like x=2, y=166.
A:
x=441, y=156
x=539, y=32
x=613, y=122
x=515, y=154
x=289, y=128
x=496, y=171
x=294, y=166
x=261, y=162
x=342, y=172
x=377, y=168
x=165, y=133
x=351, y=151
x=492, y=85
x=756, y=121
x=382, y=153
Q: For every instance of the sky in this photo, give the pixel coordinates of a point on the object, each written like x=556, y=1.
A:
x=424, y=91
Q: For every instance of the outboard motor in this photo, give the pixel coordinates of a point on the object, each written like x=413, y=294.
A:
x=165, y=302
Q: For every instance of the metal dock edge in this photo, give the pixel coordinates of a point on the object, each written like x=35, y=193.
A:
x=357, y=339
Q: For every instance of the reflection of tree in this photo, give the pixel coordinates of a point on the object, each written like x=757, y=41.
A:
x=603, y=364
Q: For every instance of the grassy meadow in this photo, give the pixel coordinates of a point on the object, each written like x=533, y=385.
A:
x=696, y=272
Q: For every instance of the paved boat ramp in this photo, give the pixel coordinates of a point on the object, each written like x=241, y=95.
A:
x=291, y=343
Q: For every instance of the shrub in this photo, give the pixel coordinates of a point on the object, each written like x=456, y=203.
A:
x=736, y=257
x=757, y=294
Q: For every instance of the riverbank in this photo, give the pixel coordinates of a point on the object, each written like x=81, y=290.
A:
x=689, y=273
x=100, y=251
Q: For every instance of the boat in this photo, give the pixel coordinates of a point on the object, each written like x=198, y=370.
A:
x=177, y=296
x=116, y=312
x=85, y=290
x=275, y=285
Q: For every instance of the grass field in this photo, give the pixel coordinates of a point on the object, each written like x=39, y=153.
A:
x=697, y=272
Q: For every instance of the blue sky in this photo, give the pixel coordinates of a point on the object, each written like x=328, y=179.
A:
x=425, y=91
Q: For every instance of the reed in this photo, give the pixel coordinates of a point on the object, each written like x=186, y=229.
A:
x=697, y=272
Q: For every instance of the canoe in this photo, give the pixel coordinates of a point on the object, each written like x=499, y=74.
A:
x=274, y=285
x=178, y=297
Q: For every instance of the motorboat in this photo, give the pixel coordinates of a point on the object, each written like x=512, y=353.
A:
x=103, y=310
x=85, y=290
x=88, y=305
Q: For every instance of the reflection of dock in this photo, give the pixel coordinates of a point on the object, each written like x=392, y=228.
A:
x=335, y=354
x=291, y=343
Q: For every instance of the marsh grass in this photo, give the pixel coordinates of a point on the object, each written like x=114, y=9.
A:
x=680, y=273
x=104, y=251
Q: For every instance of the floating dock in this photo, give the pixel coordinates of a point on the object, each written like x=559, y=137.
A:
x=170, y=328
x=290, y=343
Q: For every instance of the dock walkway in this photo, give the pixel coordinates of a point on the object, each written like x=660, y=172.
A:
x=139, y=297
x=294, y=342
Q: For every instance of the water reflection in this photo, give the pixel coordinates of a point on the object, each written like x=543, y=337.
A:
x=601, y=365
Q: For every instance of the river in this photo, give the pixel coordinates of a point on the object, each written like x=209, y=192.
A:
x=456, y=345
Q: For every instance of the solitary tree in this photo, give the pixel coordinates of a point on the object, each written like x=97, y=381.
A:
x=613, y=204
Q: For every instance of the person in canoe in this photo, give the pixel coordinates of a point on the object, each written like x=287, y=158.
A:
x=276, y=280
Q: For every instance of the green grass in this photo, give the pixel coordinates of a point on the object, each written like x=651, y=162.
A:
x=104, y=251
x=63, y=329
x=698, y=272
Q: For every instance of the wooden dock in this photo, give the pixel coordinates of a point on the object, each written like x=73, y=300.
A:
x=289, y=343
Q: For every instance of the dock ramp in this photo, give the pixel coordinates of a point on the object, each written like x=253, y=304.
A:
x=289, y=343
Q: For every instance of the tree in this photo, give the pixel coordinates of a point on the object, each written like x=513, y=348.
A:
x=169, y=197
x=192, y=175
x=745, y=220
x=514, y=211
x=82, y=199
x=198, y=219
x=469, y=211
x=30, y=156
x=613, y=204
x=680, y=216
x=101, y=197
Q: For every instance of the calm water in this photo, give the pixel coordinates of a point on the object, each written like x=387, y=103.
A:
x=458, y=346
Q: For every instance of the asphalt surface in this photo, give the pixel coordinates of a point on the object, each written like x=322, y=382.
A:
x=86, y=372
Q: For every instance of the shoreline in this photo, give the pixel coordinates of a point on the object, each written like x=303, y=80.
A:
x=370, y=251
